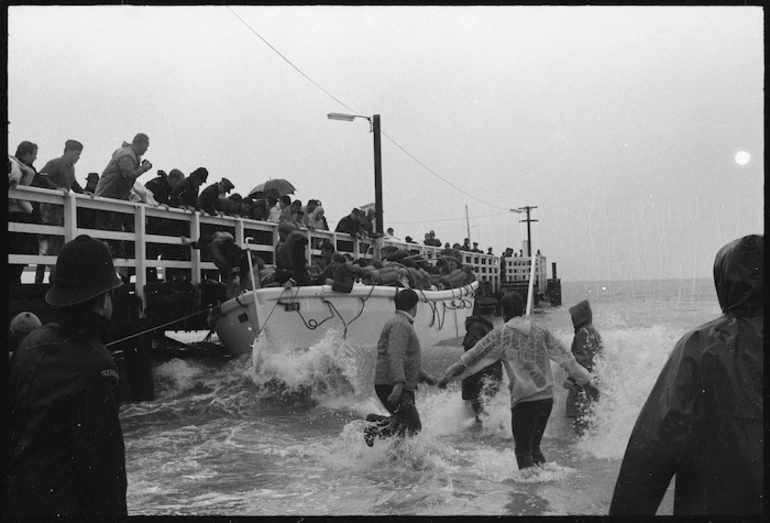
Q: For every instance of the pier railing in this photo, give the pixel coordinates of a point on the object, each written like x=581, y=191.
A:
x=153, y=238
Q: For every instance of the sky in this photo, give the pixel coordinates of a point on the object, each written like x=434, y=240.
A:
x=636, y=132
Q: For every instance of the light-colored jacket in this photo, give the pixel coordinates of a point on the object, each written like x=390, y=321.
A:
x=398, y=353
x=525, y=349
x=23, y=175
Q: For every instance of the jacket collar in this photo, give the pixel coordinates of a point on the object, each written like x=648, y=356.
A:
x=406, y=315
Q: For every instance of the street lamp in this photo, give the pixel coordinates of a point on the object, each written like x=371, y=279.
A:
x=374, y=127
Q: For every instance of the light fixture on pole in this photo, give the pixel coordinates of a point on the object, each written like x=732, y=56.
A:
x=374, y=127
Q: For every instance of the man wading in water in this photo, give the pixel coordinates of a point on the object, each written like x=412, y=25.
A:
x=396, y=373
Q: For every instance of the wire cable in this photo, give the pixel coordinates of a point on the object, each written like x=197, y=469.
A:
x=343, y=104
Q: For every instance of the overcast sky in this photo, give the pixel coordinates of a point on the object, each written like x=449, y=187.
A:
x=627, y=127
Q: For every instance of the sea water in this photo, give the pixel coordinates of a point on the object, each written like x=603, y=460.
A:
x=280, y=433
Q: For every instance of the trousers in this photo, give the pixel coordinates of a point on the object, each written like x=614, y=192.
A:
x=528, y=419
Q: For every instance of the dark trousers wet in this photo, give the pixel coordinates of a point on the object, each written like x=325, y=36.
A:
x=404, y=419
x=529, y=419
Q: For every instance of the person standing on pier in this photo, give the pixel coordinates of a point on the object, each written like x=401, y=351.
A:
x=67, y=456
x=125, y=166
x=61, y=171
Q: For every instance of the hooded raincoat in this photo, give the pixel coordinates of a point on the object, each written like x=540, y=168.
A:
x=586, y=346
x=476, y=327
x=703, y=419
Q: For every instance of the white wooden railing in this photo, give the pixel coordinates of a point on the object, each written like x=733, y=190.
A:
x=486, y=266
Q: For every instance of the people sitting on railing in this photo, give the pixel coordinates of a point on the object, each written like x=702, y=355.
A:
x=230, y=259
x=466, y=246
x=489, y=251
x=476, y=248
x=208, y=199
x=290, y=256
x=21, y=172
x=274, y=210
x=390, y=234
x=409, y=239
x=185, y=195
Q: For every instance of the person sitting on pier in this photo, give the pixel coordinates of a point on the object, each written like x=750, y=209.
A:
x=476, y=248
x=466, y=246
x=230, y=259
x=185, y=195
x=274, y=210
x=290, y=256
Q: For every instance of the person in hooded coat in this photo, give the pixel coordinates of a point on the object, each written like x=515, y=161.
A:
x=586, y=347
x=487, y=382
x=702, y=421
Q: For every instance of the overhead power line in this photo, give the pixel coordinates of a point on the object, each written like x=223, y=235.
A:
x=343, y=104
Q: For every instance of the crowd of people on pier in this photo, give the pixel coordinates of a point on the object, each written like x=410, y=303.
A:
x=120, y=180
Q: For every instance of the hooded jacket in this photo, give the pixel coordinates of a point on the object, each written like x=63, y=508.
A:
x=525, y=348
x=586, y=346
x=702, y=421
x=120, y=174
x=476, y=327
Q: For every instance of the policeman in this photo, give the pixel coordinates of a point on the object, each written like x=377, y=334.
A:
x=66, y=444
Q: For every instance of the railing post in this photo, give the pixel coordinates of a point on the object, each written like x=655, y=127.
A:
x=309, y=250
x=240, y=234
x=195, y=254
x=140, y=253
x=70, y=216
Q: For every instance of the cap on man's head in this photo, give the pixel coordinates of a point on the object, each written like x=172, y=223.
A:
x=141, y=138
x=228, y=184
x=73, y=145
x=84, y=270
x=91, y=176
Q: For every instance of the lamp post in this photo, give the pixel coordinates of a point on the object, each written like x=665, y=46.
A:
x=374, y=127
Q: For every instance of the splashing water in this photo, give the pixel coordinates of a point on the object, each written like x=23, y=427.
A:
x=281, y=432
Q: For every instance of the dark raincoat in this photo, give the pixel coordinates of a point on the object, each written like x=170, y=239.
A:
x=586, y=346
x=703, y=419
x=66, y=444
x=476, y=327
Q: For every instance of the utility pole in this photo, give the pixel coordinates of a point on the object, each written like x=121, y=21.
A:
x=529, y=233
x=467, y=224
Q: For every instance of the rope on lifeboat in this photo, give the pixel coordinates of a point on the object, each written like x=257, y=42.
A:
x=313, y=324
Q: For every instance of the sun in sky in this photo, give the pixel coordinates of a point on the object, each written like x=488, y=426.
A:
x=742, y=158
